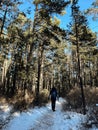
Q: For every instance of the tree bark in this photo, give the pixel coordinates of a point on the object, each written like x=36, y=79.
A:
x=3, y=21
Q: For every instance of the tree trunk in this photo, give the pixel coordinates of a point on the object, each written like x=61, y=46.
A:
x=79, y=72
x=29, y=56
x=3, y=21
x=14, y=81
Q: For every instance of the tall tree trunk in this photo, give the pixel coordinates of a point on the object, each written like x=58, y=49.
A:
x=3, y=21
x=90, y=73
x=4, y=72
x=79, y=72
x=75, y=14
x=14, y=81
x=8, y=85
x=29, y=57
x=40, y=61
x=41, y=72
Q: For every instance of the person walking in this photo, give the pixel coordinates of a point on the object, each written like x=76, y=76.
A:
x=53, y=94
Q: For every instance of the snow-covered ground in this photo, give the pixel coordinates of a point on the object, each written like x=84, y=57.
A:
x=43, y=119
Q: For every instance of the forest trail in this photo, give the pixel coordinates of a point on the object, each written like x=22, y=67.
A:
x=44, y=118
x=59, y=120
x=50, y=119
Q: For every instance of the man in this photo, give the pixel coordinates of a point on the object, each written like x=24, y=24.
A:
x=53, y=94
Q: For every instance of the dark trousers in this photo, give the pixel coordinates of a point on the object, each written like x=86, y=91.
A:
x=53, y=102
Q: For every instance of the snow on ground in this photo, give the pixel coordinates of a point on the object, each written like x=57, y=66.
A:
x=5, y=110
x=45, y=119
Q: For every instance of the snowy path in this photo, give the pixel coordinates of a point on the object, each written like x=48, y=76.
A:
x=59, y=120
x=48, y=120
x=45, y=119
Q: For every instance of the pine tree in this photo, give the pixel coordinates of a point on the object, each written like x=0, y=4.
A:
x=43, y=30
x=93, y=10
x=79, y=23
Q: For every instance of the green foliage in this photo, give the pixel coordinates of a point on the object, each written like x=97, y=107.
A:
x=52, y=6
x=93, y=10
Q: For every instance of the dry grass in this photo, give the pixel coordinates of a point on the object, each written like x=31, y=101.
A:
x=20, y=101
x=42, y=98
x=74, y=97
x=3, y=100
x=91, y=95
x=23, y=100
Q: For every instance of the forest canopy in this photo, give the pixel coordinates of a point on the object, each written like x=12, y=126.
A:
x=36, y=54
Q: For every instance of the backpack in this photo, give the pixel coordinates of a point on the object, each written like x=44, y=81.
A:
x=53, y=95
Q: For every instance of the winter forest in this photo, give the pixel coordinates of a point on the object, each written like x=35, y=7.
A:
x=37, y=53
